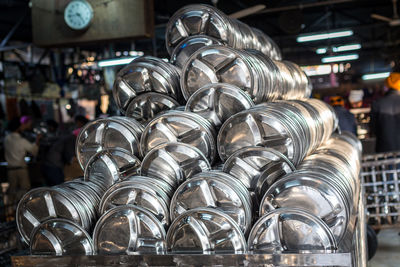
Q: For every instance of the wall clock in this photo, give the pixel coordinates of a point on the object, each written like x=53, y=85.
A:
x=78, y=14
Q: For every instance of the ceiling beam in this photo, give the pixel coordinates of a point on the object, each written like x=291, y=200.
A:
x=304, y=6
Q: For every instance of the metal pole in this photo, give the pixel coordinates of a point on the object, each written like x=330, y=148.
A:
x=12, y=31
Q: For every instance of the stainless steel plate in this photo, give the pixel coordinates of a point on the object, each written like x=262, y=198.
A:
x=217, y=102
x=146, y=106
x=60, y=237
x=194, y=20
x=258, y=168
x=157, y=182
x=111, y=165
x=290, y=230
x=212, y=192
x=251, y=128
x=127, y=230
x=114, y=132
x=205, y=231
x=188, y=46
x=144, y=196
x=182, y=127
x=145, y=74
x=213, y=64
x=174, y=163
x=41, y=204
x=304, y=190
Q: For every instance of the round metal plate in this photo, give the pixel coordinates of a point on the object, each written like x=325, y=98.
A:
x=60, y=237
x=194, y=20
x=290, y=230
x=145, y=74
x=174, y=163
x=213, y=64
x=111, y=165
x=182, y=127
x=258, y=167
x=146, y=106
x=212, y=192
x=217, y=102
x=114, y=132
x=304, y=190
x=41, y=204
x=251, y=128
x=128, y=230
x=188, y=46
x=205, y=231
x=137, y=194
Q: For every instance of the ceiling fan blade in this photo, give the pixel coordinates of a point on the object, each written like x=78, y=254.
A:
x=379, y=17
x=247, y=12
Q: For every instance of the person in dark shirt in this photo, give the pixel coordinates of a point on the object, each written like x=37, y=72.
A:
x=385, y=117
x=347, y=121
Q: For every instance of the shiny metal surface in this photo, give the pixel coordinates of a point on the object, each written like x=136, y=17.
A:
x=289, y=259
x=217, y=102
x=213, y=64
x=210, y=190
x=145, y=74
x=60, y=237
x=111, y=165
x=188, y=46
x=41, y=204
x=196, y=19
x=127, y=230
x=153, y=181
x=205, y=231
x=294, y=128
x=262, y=78
x=133, y=192
x=146, y=106
x=174, y=162
x=309, y=192
x=290, y=230
x=113, y=132
x=251, y=128
x=182, y=127
x=258, y=168
x=74, y=200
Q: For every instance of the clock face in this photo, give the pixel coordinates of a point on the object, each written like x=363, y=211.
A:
x=78, y=14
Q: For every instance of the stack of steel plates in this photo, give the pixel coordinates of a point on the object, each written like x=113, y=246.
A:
x=216, y=174
x=262, y=78
x=194, y=20
x=294, y=128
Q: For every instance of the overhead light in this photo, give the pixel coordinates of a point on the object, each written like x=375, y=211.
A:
x=317, y=69
x=321, y=51
x=115, y=62
x=323, y=36
x=341, y=48
x=374, y=76
x=339, y=58
x=136, y=53
x=346, y=48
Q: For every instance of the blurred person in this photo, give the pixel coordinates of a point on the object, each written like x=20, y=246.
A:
x=356, y=98
x=385, y=116
x=15, y=149
x=347, y=120
x=61, y=152
x=26, y=123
